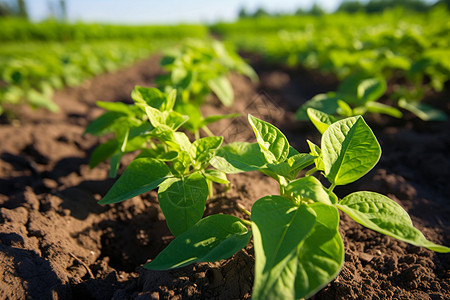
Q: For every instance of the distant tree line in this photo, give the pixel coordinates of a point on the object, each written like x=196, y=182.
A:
x=18, y=8
x=352, y=6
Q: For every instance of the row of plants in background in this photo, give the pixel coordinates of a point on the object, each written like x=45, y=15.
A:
x=17, y=29
x=298, y=248
x=359, y=94
x=196, y=70
x=34, y=62
x=395, y=45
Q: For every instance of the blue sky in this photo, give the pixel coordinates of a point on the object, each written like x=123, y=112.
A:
x=165, y=11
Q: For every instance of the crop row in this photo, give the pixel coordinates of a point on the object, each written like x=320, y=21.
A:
x=298, y=247
x=397, y=46
x=38, y=62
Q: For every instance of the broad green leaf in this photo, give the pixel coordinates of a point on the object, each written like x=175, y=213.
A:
x=320, y=119
x=211, y=239
x=349, y=150
x=238, y=157
x=141, y=175
x=159, y=153
x=195, y=116
x=322, y=102
x=309, y=187
x=150, y=96
x=371, y=89
x=103, y=124
x=379, y=213
x=380, y=108
x=321, y=256
x=103, y=152
x=205, y=148
x=181, y=164
x=423, y=111
x=119, y=107
x=182, y=201
x=298, y=162
x=223, y=89
x=216, y=176
x=274, y=145
x=279, y=229
x=345, y=109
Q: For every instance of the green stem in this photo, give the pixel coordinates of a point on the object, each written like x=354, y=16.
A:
x=243, y=209
x=332, y=186
x=197, y=134
x=311, y=171
x=246, y=222
x=208, y=132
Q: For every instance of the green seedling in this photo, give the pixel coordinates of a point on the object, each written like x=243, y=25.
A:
x=356, y=95
x=134, y=127
x=167, y=158
x=298, y=248
x=198, y=69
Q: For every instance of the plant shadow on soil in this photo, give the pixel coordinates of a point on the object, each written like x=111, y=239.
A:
x=57, y=242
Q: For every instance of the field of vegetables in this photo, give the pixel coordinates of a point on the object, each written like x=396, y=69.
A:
x=149, y=161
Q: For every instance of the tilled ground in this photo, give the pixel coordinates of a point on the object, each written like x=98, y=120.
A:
x=57, y=242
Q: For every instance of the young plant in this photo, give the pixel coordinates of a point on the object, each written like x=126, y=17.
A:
x=167, y=159
x=198, y=69
x=356, y=95
x=298, y=248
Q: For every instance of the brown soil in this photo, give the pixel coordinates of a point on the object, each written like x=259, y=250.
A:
x=57, y=242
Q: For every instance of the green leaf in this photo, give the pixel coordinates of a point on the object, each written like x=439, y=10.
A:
x=223, y=89
x=349, y=150
x=238, y=157
x=345, y=109
x=104, y=123
x=159, y=153
x=141, y=175
x=216, y=176
x=103, y=152
x=380, y=108
x=371, y=89
x=309, y=187
x=211, y=239
x=279, y=229
x=150, y=96
x=119, y=107
x=379, y=213
x=423, y=111
x=274, y=145
x=114, y=164
x=298, y=162
x=320, y=119
x=316, y=152
x=205, y=148
x=321, y=256
x=182, y=201
x=322, y=102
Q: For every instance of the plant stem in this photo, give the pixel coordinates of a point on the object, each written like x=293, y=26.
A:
x=243, y=209
x=208, y=132
x=332, y=186
x=311, y=171
x=246, y=222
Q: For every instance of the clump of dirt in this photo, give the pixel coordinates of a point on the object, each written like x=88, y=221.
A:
x=57, y=242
